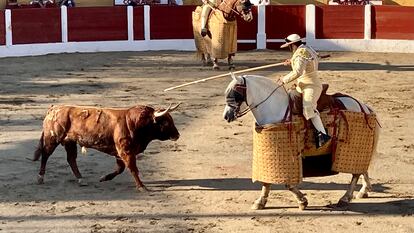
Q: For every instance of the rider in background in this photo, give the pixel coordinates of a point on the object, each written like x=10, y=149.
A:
x=304, y=63
x=207, y=6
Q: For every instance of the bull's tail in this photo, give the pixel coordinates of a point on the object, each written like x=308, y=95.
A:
x=39, y=149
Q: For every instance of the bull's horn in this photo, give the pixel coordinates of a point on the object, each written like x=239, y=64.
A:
x=169, y=109
x=160, y=114
x=175, y=107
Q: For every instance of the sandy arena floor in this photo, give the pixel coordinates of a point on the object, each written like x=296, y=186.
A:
x=200, y=183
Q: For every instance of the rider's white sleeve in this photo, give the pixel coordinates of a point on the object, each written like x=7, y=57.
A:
x=298, y=67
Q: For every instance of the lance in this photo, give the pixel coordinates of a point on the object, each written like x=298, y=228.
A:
x=224, y=75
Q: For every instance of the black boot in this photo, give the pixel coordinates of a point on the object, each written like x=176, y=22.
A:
x=205, y=32
x=321, y=139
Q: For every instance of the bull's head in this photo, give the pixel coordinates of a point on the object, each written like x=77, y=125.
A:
x=164, y=121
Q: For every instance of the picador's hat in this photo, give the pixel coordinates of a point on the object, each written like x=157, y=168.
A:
x=293, y=38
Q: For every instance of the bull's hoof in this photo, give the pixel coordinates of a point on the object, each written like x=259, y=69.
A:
x=303, y=205
x=103, y=178
x=142, y=189
x=362, y=195
x=40, y=179
x=259, y=204
x=82, y=182
x=342, y=204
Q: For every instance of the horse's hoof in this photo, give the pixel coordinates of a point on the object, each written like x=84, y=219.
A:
x=232, y=67
x=40, y=179
x=303, y=205
x=216, y=67
x=259, y=204
x=342, y=204
x=362, y=195
x=82, y=182
x=142, y=189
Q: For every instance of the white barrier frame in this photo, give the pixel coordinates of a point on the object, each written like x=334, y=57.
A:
x=367, y=44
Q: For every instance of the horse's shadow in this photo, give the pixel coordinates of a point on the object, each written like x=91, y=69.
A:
x=239, y=184
x=400, y=205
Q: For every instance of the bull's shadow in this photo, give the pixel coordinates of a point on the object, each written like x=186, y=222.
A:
x=239, y=184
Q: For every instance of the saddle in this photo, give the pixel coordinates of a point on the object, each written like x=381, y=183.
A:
x=326, y=102
x=331, y=110
x=329, y=107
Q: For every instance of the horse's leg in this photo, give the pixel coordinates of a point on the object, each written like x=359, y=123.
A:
x=209, y=61
x=230, y=62
x=346, y=199
x=203, y=59
x=300, y=197
x=366, y=186
x=260, y=203
x=215, y=64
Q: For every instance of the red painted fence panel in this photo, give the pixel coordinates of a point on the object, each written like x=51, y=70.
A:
x=340, y=22
x=97, y=23
x=247, y=31
x=171, y=22
x=282, y=21
x=139, y=23
x=392, y=22
x=2, y=28
x=42, y=25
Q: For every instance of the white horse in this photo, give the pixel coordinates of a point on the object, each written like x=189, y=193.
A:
x=268, y=102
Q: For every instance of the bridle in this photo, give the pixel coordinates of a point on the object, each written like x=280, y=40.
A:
x=246, y=7
x=237, y=95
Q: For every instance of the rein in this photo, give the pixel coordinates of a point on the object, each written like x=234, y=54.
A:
x=244, y=112
x=230, y=7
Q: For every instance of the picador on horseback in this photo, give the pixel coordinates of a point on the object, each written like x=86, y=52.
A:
x=304, y=63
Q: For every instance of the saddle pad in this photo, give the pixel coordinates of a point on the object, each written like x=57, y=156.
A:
x=277, y=153
x=356, y=142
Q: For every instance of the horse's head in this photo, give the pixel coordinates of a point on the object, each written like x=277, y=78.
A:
x=235, y=98
x=245, y=8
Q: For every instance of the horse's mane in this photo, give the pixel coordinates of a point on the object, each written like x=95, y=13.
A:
x=261, y=80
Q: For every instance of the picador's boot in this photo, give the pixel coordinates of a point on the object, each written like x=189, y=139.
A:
x=205, y=32
x=321, y=139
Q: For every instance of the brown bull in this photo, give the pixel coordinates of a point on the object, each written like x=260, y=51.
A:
x=122, y=133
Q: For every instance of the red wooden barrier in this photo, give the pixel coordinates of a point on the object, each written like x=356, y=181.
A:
x=31, y=26
x=2, y=29
x=282, y=21
x=392, y=22
x=340, y=22
x=139, y=23
x=247, y=31
x=97, y=23
x=171, y=22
